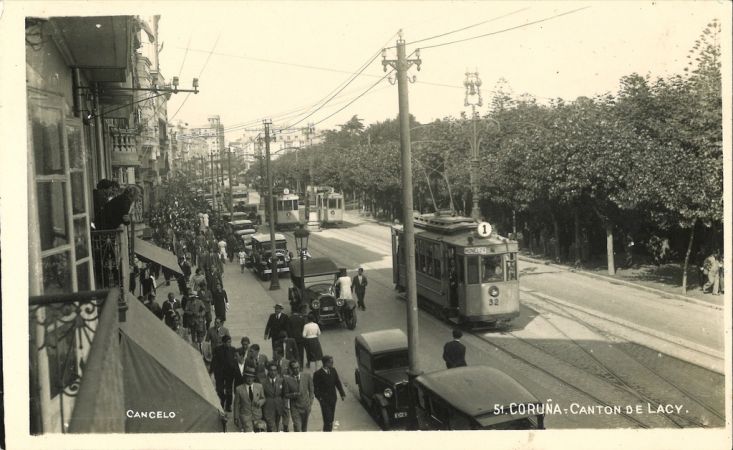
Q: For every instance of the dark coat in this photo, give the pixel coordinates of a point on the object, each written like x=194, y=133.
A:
x=359, y=288
x=296, y=322
x=454, y=354
x=223, y=362
x=326, y=384
x=113, y=211
x=275, y=326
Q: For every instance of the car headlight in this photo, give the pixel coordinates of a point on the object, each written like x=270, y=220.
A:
x=315, y=304
x=340, y=302
x=388, y=393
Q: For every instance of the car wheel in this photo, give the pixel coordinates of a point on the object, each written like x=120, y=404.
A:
x=384, y=419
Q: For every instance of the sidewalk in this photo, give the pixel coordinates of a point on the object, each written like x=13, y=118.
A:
x=642, y=278
x=250, y=304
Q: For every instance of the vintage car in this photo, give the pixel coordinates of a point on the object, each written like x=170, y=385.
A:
x=314, y=287
x=381, y=375
x=475, y=398
x=259, y=257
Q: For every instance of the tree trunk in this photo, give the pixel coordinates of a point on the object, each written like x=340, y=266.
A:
x=578, y=255
x=687, y=258
x=556, y=236
x=609, y=249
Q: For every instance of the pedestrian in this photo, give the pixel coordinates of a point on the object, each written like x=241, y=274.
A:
x=277, y=322
x=300, y=392
x=216, y=334
x=711, y=269
x=244, y=342
x=154, y=307
x=359, y=284
x=205, y=297
x=274, y=408
x=185, y=268
x=283, y=364
x=170, y=311
x=257, y=361
x=296, y=322
x=221, y=302
x=311, y=331
x=222, y=366
x=325, y=383
x=242, y=255
x=198, y=282
x=198, y=321
x=147, y=283
x=454, y=352
x=248, y=401
x=239, y=367
x=343, y=286
x=222, y=251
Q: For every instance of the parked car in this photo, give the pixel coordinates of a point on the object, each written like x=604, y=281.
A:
x=259, y=258
x=475, y=398
x=314, y=286
x=381, y=375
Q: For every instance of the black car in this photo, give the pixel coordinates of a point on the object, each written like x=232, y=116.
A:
x=261, y=252
x=314, y=287
x=381, y=375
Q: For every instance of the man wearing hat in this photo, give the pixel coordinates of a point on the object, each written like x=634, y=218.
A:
x=277, y=322
x=359, y=284
x=248, y=401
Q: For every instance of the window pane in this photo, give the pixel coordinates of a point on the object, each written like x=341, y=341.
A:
x=511, y=267
x=76, y=150
x=472, y=269
x=81, y=235
x=82, y=276
x=56, y=274
x=491, y=269
x=48, y=148
x=52, y=214
x=78, y=205
x=62, y=358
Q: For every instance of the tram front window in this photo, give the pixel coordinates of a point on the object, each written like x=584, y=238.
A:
x=491, y=269
x=472, y=269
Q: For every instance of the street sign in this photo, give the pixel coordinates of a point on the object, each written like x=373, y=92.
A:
x=484, y=229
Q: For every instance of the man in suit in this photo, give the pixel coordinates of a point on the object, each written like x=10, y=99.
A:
x=248, y=401
x=277, y=322
x=325, y=383
x=359, y=284
x=257, y=361
x=296, y=322
x=170, y=310
x=222, y=366
x=274, y=409
x=300, y=392
x=239, y=368
x=454, y=352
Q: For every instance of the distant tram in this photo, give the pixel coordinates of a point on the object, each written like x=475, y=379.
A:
x=465, y=273
x=330, y=207
x=287, y=212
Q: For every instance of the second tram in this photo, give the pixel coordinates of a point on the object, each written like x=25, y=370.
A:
x=287, y=210
x=465, y=273
x=330, y=207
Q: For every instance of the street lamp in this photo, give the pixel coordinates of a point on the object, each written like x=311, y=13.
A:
x=473, y=98
x=301, y=246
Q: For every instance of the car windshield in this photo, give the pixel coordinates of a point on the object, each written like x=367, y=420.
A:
x=391, y=361
x=281, y=245
x=321, y=288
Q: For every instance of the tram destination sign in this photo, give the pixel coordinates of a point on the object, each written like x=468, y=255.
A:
x=477, y=251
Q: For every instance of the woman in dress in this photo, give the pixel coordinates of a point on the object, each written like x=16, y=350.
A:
x=311, y=331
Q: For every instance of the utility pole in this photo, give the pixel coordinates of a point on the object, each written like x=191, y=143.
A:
x=213, y=192
x=473, y=90
x=229, y=163
x=274, y=281
x=401, y=65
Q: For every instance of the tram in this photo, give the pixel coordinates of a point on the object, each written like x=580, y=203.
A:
x=287, y=211
x=330, y=206
x=466, y=273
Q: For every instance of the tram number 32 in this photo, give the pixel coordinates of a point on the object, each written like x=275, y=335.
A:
x=493, y=302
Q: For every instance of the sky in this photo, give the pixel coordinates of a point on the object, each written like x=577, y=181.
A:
x=281, y=60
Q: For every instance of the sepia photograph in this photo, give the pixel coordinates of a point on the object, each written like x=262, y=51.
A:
x=407, y=224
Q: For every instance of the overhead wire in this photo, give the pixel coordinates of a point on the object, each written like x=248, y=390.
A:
x=200, y=73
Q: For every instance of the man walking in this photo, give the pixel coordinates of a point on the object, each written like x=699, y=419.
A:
x=274, y=408
x=454, y=352
x=711, y=269
x=277, y=322
x=300, y=392
x=170, y=311
x=239, y=368
x=248, y=401
x=242, y=255
x=222, y=366
x=296, y=322
x=221, y=302
x=359, y=284
x=325, y=383
x=217, y=333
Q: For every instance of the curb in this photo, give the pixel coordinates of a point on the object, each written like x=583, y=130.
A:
x=631, y=284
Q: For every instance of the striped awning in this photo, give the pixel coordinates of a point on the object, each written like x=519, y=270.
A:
x=156, y=254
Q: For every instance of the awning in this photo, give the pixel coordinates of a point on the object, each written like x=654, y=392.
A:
x=164, y=376
x=156, y=254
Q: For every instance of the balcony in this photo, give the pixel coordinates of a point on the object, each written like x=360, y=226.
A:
x=124, y=148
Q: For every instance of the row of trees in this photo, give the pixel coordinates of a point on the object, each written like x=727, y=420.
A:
x=643, y=165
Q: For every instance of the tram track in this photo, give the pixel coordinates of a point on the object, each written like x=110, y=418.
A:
x=610, y=336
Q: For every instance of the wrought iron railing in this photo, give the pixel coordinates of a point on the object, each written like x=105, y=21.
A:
x=106, y=254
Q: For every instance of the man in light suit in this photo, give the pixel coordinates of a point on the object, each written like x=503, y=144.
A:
x=274, y=409
x=248, y=401
x=454, y=352
x=325, y=383
x=359, y=284
x=300, y=393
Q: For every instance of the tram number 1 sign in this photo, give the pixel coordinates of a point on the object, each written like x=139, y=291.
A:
x=483, y=229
